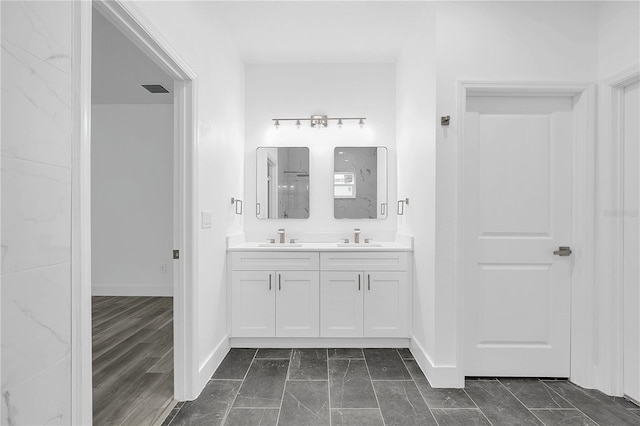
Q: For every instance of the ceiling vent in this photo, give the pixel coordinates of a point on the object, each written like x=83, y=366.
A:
x=155, y=88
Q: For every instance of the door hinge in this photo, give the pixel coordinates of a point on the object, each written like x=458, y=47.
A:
x=176, y=254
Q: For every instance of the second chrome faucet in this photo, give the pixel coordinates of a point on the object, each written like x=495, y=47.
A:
x=282, y=236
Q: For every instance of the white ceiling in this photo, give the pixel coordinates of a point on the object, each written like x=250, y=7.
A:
x=119, y=68
x=318, y=31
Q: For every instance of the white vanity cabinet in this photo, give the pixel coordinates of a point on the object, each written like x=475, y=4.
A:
x=275, y=294
x=364, y=294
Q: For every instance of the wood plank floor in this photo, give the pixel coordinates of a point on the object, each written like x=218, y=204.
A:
x=132, y=360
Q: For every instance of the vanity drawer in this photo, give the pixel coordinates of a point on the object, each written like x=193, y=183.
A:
x=267, y=261
x=358, y=261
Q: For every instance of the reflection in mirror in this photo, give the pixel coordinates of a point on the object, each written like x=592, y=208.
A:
x=282, y=183
x=360, y=183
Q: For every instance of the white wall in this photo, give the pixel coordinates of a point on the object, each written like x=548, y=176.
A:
x=618, y=30
x=37, y=92
x=300, y=90
x=493, y=41
x=207, y=48
x=416, y=141
x=131, y=200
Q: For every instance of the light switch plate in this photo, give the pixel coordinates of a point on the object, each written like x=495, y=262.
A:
x=207, y=219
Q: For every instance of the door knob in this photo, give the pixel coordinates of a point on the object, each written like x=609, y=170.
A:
x=563, y=251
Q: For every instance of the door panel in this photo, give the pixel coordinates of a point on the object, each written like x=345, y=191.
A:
x=517, y=211
x=253, y=304
x=631, y=225
x=341, y=304
x=298, y=304
x=385, y=304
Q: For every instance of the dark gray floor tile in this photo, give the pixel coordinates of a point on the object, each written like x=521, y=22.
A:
x=534, y=394
x=460, y=416
x=170, y=417
x=443, y=397
x=210, y=407
x=262, y=388
x=386, y=364
x=402, y=405
x=500, y=407
x=274, y=353
x=350, y=384
x=604, y=413
x=308, y=364
x=414, y=369
x=235, y=365
x=635, y=411
x=356, y=417
x=405, y=353
x=252, y=417
x=563, y=417
x=346, y=353
x=305, y=403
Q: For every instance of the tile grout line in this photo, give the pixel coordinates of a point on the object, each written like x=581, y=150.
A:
x=522, y=403
x=226, y=414
x=284, y=388
x=569, y=402
x=474, y=403
x=417, y=388
x=366, y=364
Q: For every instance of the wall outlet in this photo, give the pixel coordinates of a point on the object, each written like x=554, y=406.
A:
x=207, y=219
x=163, y=268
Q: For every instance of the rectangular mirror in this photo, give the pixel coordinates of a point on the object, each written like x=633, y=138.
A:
x=282, y=183
x=360, y=182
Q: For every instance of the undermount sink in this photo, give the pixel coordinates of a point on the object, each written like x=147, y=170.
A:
x=281, y=245
x=362, y=245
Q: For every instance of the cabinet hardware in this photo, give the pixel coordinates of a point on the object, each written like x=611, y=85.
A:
x=563, y=251
x=359, y=282
x=269, y=282
x=369, y=281
x=279, y=282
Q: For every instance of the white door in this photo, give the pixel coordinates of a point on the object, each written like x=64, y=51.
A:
x=517, y=212
x=631, y=259
x=341, y=300
x=253, y=304
x=386, y=304
x=298, y=304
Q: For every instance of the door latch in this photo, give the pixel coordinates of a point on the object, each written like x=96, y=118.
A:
x=563, y=251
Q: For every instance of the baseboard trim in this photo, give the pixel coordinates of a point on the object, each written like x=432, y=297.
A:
x=211, y=364
x=439, y=376
x=317, y=342
x=132, y=290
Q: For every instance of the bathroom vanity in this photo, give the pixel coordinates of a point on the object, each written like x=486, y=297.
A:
x=317, y=291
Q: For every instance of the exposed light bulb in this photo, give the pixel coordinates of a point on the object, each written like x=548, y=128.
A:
x=361, y=123
x=276, y=124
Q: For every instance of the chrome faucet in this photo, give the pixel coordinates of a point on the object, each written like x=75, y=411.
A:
x=282, y=238
x=356, y=236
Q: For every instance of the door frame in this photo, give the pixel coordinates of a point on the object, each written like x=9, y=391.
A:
x=583, y=232
x=130, y=21
x=612, y=99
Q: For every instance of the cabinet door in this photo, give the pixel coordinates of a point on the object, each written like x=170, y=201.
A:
x=341, y=300
x=297, y=304
x=253, y=304
x=386, y=304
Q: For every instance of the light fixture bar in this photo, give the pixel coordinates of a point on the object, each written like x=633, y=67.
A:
x=319, y=121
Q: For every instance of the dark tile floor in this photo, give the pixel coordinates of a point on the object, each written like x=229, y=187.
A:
x=371, y=387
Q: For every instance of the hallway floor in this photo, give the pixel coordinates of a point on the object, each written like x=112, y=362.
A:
x=381, y=387
x=132, y=359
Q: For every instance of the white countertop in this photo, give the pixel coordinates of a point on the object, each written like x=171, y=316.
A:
x=336, y=246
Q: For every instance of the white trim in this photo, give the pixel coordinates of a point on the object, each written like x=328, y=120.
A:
x=130, y=21
x=213, y=361
x=611, y=97
x=132, y=290
x=318, y=342
x=439, y=376
x=81, y=361
x=583, y=278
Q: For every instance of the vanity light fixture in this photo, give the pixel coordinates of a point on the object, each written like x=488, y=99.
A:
x=319, y=121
